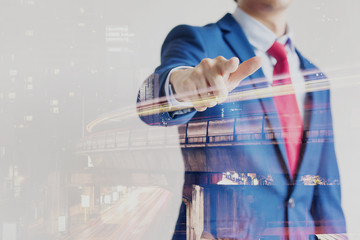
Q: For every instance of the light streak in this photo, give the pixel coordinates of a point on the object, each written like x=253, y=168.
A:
x=129, y=218
x=160, y=105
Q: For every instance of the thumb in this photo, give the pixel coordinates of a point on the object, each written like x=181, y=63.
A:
x=244, y=70
x=230, y=65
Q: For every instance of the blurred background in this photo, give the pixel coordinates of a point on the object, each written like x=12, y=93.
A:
x=75, y=160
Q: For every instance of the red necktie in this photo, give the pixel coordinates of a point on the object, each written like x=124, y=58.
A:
x=286, y=106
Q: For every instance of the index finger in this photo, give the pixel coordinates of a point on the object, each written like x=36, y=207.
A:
x=244, y=70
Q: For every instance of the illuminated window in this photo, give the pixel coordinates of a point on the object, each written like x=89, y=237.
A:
x=28, y=118
x=55, y=110
x=12, y=95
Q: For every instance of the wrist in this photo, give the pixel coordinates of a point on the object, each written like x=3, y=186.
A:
x=176, y=78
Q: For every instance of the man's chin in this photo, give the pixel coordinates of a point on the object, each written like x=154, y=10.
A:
x=268, y=5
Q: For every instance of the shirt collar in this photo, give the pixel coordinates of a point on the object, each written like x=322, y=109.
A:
x=259, y=36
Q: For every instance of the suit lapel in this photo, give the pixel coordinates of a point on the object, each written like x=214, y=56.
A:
x=310, y=151
x=235, y=37
x=238, y=42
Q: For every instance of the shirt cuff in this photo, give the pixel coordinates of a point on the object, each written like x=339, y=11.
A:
x=172, y=101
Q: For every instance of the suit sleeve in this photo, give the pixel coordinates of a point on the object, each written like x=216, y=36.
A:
x=326, y=206
x=182, y=47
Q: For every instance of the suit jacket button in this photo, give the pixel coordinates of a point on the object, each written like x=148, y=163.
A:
x=291, y=203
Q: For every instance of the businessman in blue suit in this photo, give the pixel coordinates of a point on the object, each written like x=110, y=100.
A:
x=236, y=73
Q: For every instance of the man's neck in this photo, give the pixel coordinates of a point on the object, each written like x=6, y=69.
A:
x=275, y=21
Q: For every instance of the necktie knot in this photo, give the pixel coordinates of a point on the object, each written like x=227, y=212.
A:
x=277, y=51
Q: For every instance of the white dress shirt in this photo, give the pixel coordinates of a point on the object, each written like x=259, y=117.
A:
x=261, y=38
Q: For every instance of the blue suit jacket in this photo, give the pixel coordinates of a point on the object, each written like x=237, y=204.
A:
x=288, y=205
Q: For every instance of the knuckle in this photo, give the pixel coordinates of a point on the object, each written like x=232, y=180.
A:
x=220, y=58
x=206, y=62
x=201, y=109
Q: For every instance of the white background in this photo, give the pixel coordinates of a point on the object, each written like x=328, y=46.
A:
x=62, y=46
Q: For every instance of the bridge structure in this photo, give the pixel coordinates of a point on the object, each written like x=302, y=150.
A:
x=146, y=155
x=139, y=147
